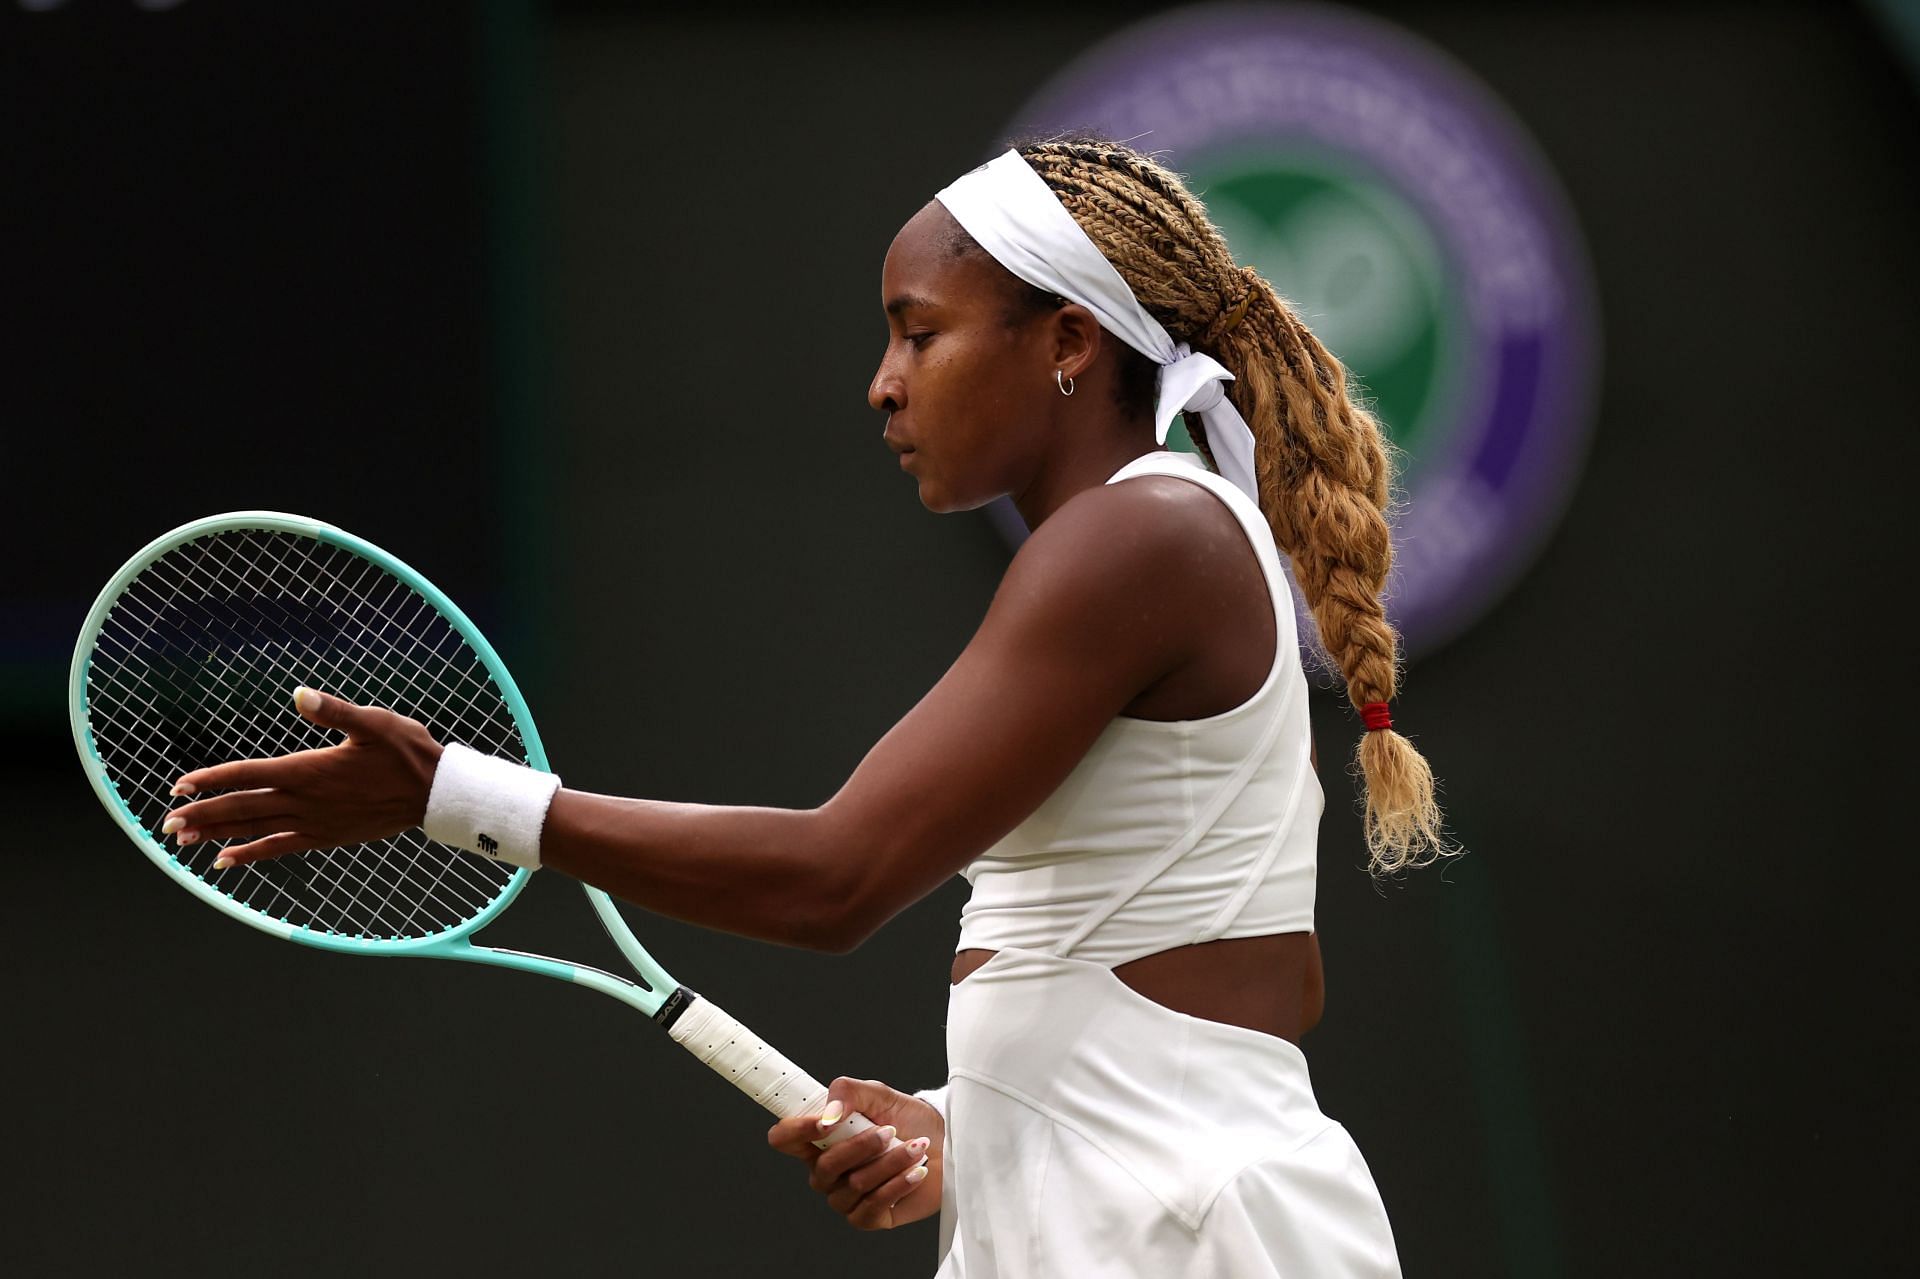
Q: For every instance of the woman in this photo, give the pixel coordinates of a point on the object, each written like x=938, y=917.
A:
x=1119, y=761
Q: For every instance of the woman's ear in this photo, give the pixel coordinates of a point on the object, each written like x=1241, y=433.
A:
x=1076, y=338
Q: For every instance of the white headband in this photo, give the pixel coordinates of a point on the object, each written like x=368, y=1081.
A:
x=1013, y=214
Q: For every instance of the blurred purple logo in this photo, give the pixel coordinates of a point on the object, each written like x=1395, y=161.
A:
x=1413, y=224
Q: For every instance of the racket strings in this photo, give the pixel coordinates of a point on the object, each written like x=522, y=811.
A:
x=334, y=887
x=367, y=907
x=196, y=664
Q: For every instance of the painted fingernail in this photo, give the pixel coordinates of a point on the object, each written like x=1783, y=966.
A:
x=917, y=1145
x=222, y=863
x=831, y=1115
x=171, y=825
x=305, y=699
x=182, y=788
x=186, y=837
x=917, y=1175
x=885, y=1134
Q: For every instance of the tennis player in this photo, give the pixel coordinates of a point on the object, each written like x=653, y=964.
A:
x=1119, y=762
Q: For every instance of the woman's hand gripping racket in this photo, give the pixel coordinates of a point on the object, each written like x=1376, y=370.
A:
x=190, y=657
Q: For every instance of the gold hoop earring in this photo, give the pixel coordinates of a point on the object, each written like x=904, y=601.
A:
x=1061, y=380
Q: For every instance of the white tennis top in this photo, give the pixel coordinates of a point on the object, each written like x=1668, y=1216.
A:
x=1169, y=833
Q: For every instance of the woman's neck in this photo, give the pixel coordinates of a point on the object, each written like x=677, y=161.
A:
x=1072, y=470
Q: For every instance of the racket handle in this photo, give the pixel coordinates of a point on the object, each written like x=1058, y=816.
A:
x=717, y=1038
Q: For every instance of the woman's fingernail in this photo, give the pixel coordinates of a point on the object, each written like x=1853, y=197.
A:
x=917, y=1175
x=917, y=1145
x=171, y=825
x=305, y=699
x=222, y=863
x=831, y=1115
x=182, y=788
x=885, y=1134
x=186, y=837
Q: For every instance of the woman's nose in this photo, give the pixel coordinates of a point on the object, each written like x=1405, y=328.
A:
x=886, y=393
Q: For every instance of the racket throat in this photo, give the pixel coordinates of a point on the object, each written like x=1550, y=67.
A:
x=677, y=1003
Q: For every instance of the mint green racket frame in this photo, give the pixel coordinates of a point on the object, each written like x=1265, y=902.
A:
x=452, y=943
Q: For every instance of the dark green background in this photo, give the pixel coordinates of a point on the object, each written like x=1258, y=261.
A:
x=575, y=311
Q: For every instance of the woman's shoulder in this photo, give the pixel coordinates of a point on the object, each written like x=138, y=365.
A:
x=1133, y=563
x=1154, y=527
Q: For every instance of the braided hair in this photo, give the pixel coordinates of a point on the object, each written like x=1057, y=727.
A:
x=1324, y=469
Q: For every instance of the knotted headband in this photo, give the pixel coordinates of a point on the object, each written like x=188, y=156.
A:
x=1013, y=214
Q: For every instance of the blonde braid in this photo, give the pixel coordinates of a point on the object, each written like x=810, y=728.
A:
x=1325, y=475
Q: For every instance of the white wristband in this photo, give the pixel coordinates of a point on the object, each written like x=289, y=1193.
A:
x=489, y=806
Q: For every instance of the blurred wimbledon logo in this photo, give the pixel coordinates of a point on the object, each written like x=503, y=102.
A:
x=1357, y=260
x=1410, y=220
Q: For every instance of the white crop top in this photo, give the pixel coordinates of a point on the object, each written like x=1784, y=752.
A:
x=1169, y=833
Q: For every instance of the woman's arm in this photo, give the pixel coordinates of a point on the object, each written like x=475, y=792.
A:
x=1106, y=598
x=1088, y=615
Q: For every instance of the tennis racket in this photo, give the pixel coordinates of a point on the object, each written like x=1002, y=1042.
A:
x=189, y=658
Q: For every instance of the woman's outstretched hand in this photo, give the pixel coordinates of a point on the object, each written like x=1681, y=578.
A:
x=868, y=1180
x=372, y=785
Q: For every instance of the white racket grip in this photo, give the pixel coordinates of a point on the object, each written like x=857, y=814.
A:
x=717, y=1038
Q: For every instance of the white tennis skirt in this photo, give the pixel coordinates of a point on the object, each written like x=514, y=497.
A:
x=1092, y=1132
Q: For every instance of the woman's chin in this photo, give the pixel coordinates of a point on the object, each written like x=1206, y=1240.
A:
x=943, y=499
x=934, y=497
x=942, y=502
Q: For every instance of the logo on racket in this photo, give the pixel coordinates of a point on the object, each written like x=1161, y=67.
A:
x=489, y=846
x=1410, y=221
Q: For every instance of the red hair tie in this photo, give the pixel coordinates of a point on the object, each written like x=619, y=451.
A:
x=1376, y=716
